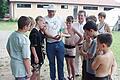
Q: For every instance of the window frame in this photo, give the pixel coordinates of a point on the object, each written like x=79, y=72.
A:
x=22, y=5
x=42, y=5
x=108, y=8
x=90, y=7
x=63, y=6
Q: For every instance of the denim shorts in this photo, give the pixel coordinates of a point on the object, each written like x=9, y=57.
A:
x=21, y=78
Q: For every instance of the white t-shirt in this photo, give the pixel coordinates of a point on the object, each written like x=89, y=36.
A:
x=79, y=28
x=54, y=26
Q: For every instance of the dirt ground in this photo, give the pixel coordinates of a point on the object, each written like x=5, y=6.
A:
x=5, y=71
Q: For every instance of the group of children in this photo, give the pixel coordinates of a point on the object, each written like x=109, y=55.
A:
x=98, y=60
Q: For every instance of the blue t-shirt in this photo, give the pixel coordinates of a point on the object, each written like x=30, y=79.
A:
x=92, y=52
x=18, y=46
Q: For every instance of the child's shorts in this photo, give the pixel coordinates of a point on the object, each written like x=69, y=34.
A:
x=89, y=76
x=68, y=56
x=21, y=78
x=36, y=67
x=103, y=78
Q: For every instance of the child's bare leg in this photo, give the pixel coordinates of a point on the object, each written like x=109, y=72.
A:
x=38, y=77
x=68, y=67
x=34, y=76
x=72, y=65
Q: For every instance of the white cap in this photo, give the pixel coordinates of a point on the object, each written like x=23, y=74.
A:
x=51, y=7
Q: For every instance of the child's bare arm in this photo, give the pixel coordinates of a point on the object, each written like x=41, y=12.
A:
x=8, y=48
x=107, y=28
x=26, y=62
x=114, y=67
x=96, y=63
x=35, y=54
x=83, y=53
x=80, y=35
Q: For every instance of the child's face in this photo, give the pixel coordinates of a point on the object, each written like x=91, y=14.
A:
x=101, y=46
x=68, y=24
x=86, y=37
x=27, y=28
x=101, y=18
x=89, y=33
x=41, y=23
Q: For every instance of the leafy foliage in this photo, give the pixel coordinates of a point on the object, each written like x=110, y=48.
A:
x=3, y=8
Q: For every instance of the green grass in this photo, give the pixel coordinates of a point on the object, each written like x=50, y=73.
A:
x=116, y=46
x=7, y=26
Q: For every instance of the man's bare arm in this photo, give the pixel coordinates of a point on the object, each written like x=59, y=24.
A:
x=57, y=37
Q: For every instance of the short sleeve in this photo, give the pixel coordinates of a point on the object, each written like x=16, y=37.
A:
x=92, y=51
x=8, y=46
x=26, y=49
x=33, y=39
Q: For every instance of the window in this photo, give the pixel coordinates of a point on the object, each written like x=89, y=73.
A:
x=107, y=8
x=23, y=5
x=64, y=6
x=75, y=10
x=90, y=8
x=42, y=5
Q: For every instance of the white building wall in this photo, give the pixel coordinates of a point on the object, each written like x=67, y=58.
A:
x=34, y=11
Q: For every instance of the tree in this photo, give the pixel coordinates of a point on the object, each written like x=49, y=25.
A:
x=3, y=8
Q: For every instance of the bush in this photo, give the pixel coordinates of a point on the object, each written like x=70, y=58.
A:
x=12, y=20
x=3, y=8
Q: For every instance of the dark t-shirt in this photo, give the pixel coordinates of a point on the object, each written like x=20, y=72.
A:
x=37, y=40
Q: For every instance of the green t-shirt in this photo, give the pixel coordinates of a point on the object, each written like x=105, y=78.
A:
x=18, y=46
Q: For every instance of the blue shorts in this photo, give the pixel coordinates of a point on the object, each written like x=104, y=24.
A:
x=21, y=78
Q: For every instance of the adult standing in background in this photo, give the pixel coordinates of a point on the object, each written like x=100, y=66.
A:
x=54, y=48
x=79, y=27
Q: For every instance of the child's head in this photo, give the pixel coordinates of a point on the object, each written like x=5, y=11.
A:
x=86, y=37
x=104, y=41
x=90, y=28
x=24, y=23
x=40, y=22
x=32, y=22
x=91, y=18
x=101, y=16
x=69, y=20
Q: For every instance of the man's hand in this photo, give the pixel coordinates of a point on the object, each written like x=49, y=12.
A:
x=57, y=37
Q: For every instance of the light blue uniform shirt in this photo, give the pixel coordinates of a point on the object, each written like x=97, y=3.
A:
x=18, y=46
